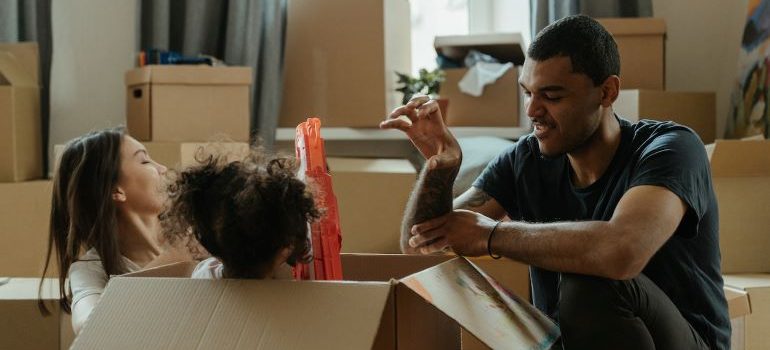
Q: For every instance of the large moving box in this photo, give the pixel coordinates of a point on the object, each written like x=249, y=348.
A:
x=188, y=103
x=741, y=174
x=341, y=58
x=750, y=331
x=21, y=148
x=271, y=314
x=696, y=110
x=22, y=326
x=372, y=195
x=642, y=51
x=25, y=208
x=499, y=103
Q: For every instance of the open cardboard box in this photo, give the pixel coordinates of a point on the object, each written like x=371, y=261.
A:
x=741, y=175
x=409, y=313
x=499, y=103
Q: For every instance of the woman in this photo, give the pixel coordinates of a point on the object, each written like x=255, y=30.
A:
x=107, y=195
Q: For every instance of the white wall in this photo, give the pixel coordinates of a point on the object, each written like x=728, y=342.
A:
x=94, y=44
x=702, y=45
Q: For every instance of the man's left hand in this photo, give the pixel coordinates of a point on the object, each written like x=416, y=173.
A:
x=465, y=232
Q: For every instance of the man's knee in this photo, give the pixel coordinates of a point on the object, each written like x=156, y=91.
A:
x=581, y=296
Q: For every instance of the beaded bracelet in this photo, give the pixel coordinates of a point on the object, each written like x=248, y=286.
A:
x=489, y=241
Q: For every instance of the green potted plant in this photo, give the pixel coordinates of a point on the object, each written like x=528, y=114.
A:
x=426, y=83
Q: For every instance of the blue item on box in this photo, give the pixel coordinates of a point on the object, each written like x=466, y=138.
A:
x=171, y=57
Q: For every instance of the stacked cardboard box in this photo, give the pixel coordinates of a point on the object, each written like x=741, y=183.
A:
x=741, y=175
x=340, y=60
x=642, y=78
x=175, y=110
x=21, y=147
x=24, y=198
x=499, y=104
x=171, y=103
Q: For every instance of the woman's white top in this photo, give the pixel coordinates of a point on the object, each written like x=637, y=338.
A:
x=87, y=275
x=210, y=268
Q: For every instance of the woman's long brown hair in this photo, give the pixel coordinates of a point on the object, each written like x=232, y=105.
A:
x=83, y=214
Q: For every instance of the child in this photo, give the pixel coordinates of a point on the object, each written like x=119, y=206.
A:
x=250, y=215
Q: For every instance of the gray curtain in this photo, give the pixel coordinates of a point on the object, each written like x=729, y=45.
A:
x=30, y=20
x=545, y=12
x=240, y=32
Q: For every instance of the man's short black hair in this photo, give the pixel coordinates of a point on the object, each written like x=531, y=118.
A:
x=591, y=49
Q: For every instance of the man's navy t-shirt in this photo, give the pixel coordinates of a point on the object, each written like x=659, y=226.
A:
x=532, y=188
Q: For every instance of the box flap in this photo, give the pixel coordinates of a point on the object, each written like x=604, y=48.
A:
x=375, y=165
x=4, y=280
x=634, y=26
x=160, y=313
x=737, y=302
x=12, y=72
x=736, y=158
x=189, y=75
x=499, y=319
x=506, y=47
x=177, y=269
x=27, y=55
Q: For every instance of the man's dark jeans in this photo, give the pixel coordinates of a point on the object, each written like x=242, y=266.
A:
x=598, y=313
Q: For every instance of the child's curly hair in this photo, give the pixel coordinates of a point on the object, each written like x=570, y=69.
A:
x=243, y=212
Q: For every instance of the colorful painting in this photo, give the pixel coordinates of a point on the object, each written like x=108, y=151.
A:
x=749, y=112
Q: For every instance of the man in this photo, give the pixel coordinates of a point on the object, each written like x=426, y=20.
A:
x=618, y=221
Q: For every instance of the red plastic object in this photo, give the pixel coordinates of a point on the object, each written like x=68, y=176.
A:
x=325, y=232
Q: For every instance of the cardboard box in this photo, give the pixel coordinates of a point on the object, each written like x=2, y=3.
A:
x=341, y=58
x=497, y=106
x=21, y=148
x=740, y=171
x=696, y=110
x=26, y=54
x=511, y=275
x=750, y=331
x=642, y=51
x=25, y=209
x=21, y=324
x=188, y=103
x=272, y=314
x=372, y=195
